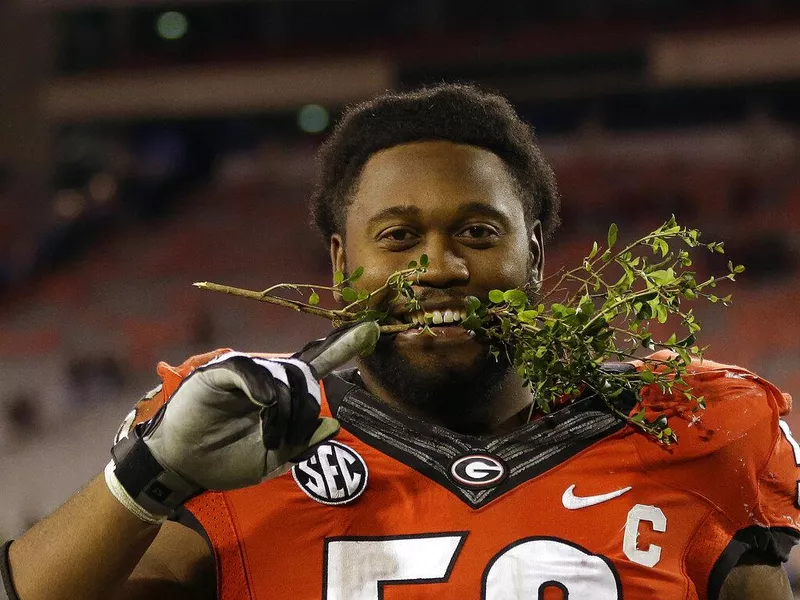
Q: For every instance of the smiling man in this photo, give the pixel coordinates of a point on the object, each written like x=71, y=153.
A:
x=419, y=474
x=458, y=204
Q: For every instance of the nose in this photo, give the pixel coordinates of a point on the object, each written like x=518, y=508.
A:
x=446, y=268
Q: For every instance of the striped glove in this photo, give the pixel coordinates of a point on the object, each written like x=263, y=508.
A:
x=232, y=423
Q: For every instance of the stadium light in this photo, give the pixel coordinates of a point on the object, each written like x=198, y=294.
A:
x=172, y=25
x=313, y=118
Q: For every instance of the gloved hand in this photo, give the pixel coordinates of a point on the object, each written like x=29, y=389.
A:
x=232, y=423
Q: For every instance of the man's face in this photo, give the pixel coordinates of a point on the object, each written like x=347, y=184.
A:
x=459, y=205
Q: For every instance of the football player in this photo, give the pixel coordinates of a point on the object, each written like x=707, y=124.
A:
x=418, y=474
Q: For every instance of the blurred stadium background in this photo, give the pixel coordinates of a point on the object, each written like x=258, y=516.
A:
x=147, y=145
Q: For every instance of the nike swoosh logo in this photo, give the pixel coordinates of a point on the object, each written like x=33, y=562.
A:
x=573, y=502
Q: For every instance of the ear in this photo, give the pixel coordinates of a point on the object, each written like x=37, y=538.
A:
x=536, y=245
x=337, y=259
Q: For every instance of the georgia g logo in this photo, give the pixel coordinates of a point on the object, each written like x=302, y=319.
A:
x=334, y=474
x=478, y=471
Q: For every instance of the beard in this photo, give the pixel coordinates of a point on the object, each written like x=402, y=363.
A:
x=461, y=390
x=442, y=393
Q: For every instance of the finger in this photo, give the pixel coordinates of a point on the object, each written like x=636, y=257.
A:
x=276, y=418
x=256, y=378
x=308, y=381
x=341, y=346
x=305, y=403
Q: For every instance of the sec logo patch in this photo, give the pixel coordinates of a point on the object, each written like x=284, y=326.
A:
x=334, y=474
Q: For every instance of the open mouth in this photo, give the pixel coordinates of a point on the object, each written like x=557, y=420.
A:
x=438, y=318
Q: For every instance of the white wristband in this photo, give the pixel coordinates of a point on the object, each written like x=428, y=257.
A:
x=116, y=489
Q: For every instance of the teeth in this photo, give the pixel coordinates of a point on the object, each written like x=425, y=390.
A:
x=437, y=317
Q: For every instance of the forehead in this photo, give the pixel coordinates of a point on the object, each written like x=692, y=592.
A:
x=437, y=177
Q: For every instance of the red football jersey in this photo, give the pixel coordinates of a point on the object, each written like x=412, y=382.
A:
x=575, y=505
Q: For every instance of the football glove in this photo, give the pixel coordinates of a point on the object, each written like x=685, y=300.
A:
x=232, y=423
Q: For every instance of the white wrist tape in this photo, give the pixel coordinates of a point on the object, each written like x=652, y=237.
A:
x=116, y=489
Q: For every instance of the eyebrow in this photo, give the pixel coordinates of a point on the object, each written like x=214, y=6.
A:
x=394, y=212
x=412, y=212
x=482, y=208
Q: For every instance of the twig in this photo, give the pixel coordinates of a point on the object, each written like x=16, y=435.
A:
x=331, y=315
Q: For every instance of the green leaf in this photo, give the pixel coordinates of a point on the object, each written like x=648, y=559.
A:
x=496, y=297
x=594, y=250
x=647, y=376
x=639, y=416
x=645, y=312
x=612, y=235
x=338, y=277
x=412, y=264
x=313, y=299
x=471, y=303
x=472, y=322
x=423, y=260
x=515, y=298
x=586, y=306
x=349, y=295
x=356, y=275
x=684, y=355
x=663, y=276
x=527, y=316
x=661, y=313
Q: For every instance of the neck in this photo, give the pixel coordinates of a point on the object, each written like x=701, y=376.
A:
x=501, y=408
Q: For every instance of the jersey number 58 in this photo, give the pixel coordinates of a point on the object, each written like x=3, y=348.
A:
x=359, y=568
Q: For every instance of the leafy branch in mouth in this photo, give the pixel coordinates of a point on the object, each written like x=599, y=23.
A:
x=558, y=341
x=359, y=304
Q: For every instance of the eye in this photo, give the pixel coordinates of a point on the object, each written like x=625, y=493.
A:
x=398, y=236
x=479, y=232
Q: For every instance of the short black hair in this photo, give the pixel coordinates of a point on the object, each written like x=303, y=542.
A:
x=458, y=113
